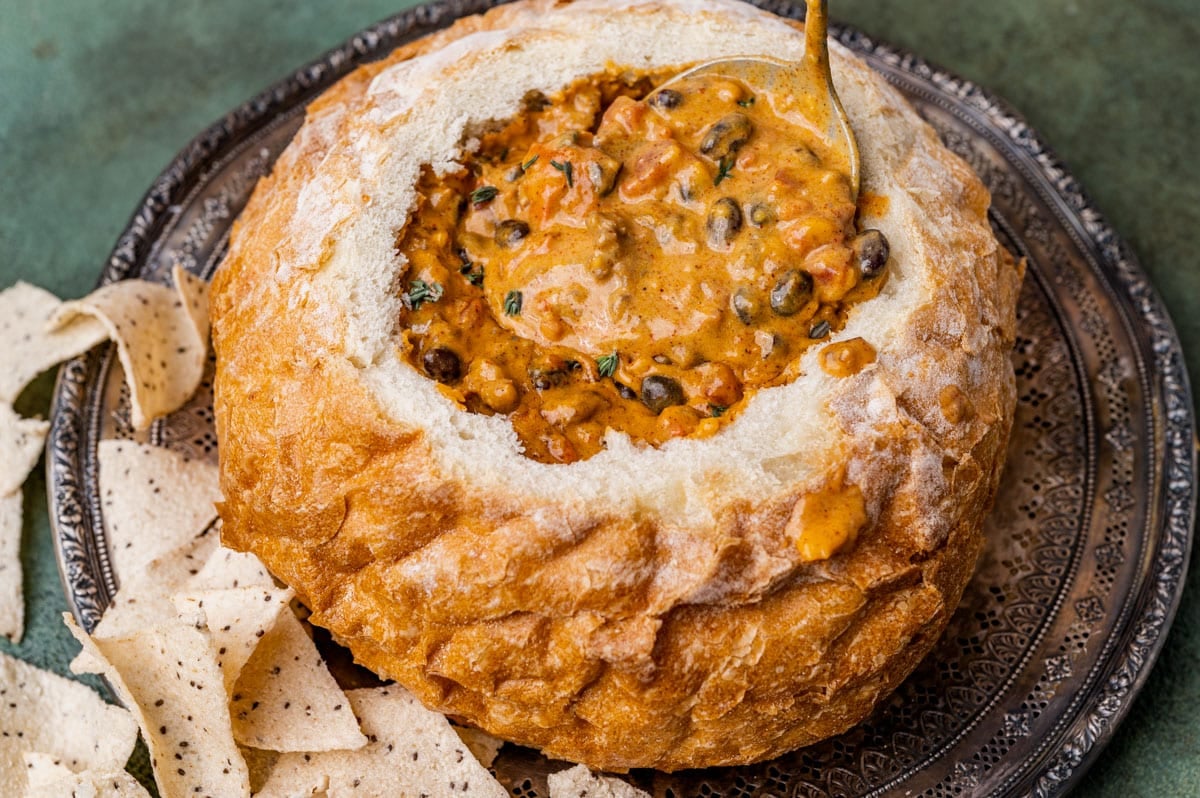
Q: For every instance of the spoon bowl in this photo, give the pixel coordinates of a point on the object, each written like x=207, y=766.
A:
x=800, y=91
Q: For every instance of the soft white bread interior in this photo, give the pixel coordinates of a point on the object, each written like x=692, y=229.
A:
x=647, y=606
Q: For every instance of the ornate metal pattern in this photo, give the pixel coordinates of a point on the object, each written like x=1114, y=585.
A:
x=1092, y=529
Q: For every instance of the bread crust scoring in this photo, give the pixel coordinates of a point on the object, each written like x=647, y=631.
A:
x=646, y=607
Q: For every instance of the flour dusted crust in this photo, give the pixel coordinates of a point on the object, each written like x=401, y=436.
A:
x=646, y=607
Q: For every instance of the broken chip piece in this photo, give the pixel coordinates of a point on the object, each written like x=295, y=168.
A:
x=145, y=596
x=169, y=678
x=12, y=600
x=227, y=568
x=286, y=699
x=161, y=335
x=198, y=565
x=21, y=443
x=578, y=782
x=237, y=620
x=153, y=500
x=48, y=777
x=412, y=751
x=47, y=713
x=30, y=346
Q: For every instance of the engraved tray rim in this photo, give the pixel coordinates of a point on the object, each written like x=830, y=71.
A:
x=1164, y=379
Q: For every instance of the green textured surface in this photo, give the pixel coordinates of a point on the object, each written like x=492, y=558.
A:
x=96, y=98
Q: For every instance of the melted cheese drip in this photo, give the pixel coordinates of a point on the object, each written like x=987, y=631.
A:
x=846, y=358
x=828, y=521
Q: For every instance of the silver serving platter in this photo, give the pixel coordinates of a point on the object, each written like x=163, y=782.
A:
x=1089, y=540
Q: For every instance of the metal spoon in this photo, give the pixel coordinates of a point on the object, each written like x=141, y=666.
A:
x=801, y=92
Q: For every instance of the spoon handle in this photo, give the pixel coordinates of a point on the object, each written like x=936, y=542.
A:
x=816, y=31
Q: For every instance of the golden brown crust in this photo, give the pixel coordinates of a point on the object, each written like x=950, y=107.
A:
x=646, y=608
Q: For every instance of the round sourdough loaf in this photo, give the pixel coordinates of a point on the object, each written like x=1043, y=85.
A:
x=647, y=607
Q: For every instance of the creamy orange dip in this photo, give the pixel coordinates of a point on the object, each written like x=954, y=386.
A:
x=635, y=260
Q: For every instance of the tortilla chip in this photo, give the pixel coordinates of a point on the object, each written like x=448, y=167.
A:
x=29, y=347
x=161, y=335
x=12, y=599
x=286, y=699
x=49, y=778
x=200, y=564
x=237, y=620
x=579, y=782
x=227, y=569
x=145, y=597
x=169, y=677
x=484, y=746
x=412, y=751
x=47, y=713
x=21, y=444
x=153, y=500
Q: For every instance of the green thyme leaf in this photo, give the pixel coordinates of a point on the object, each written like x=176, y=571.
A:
x=717, y=410
x=747, y=102
x=724, y=168
x=420, y=292
x=525, y=167
x=607, y=364
x=512, y=303
x=484, y=194
x=568, y=171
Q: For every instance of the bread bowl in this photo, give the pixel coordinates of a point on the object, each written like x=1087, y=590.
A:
x=714, y=598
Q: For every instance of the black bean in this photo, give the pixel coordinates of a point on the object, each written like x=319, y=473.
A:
x=603, y=174
x=791, y=292
x=726, y=136
x=511, y=232
x=659, y=393
x=871, y=252
x=723, y=223
x=744, y=305
x=442, y=364
x=544, y=379
x=761, y=214
x=535, y=101
x=819, y=330
x=626, y=392
x=666, y=99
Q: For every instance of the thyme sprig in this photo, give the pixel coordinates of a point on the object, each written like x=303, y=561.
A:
x=568, y=170
x=724, y=168
x=606, y=365
x=484, y=194
x=420, y=292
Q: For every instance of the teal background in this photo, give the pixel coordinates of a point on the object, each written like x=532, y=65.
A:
x=96, y=98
